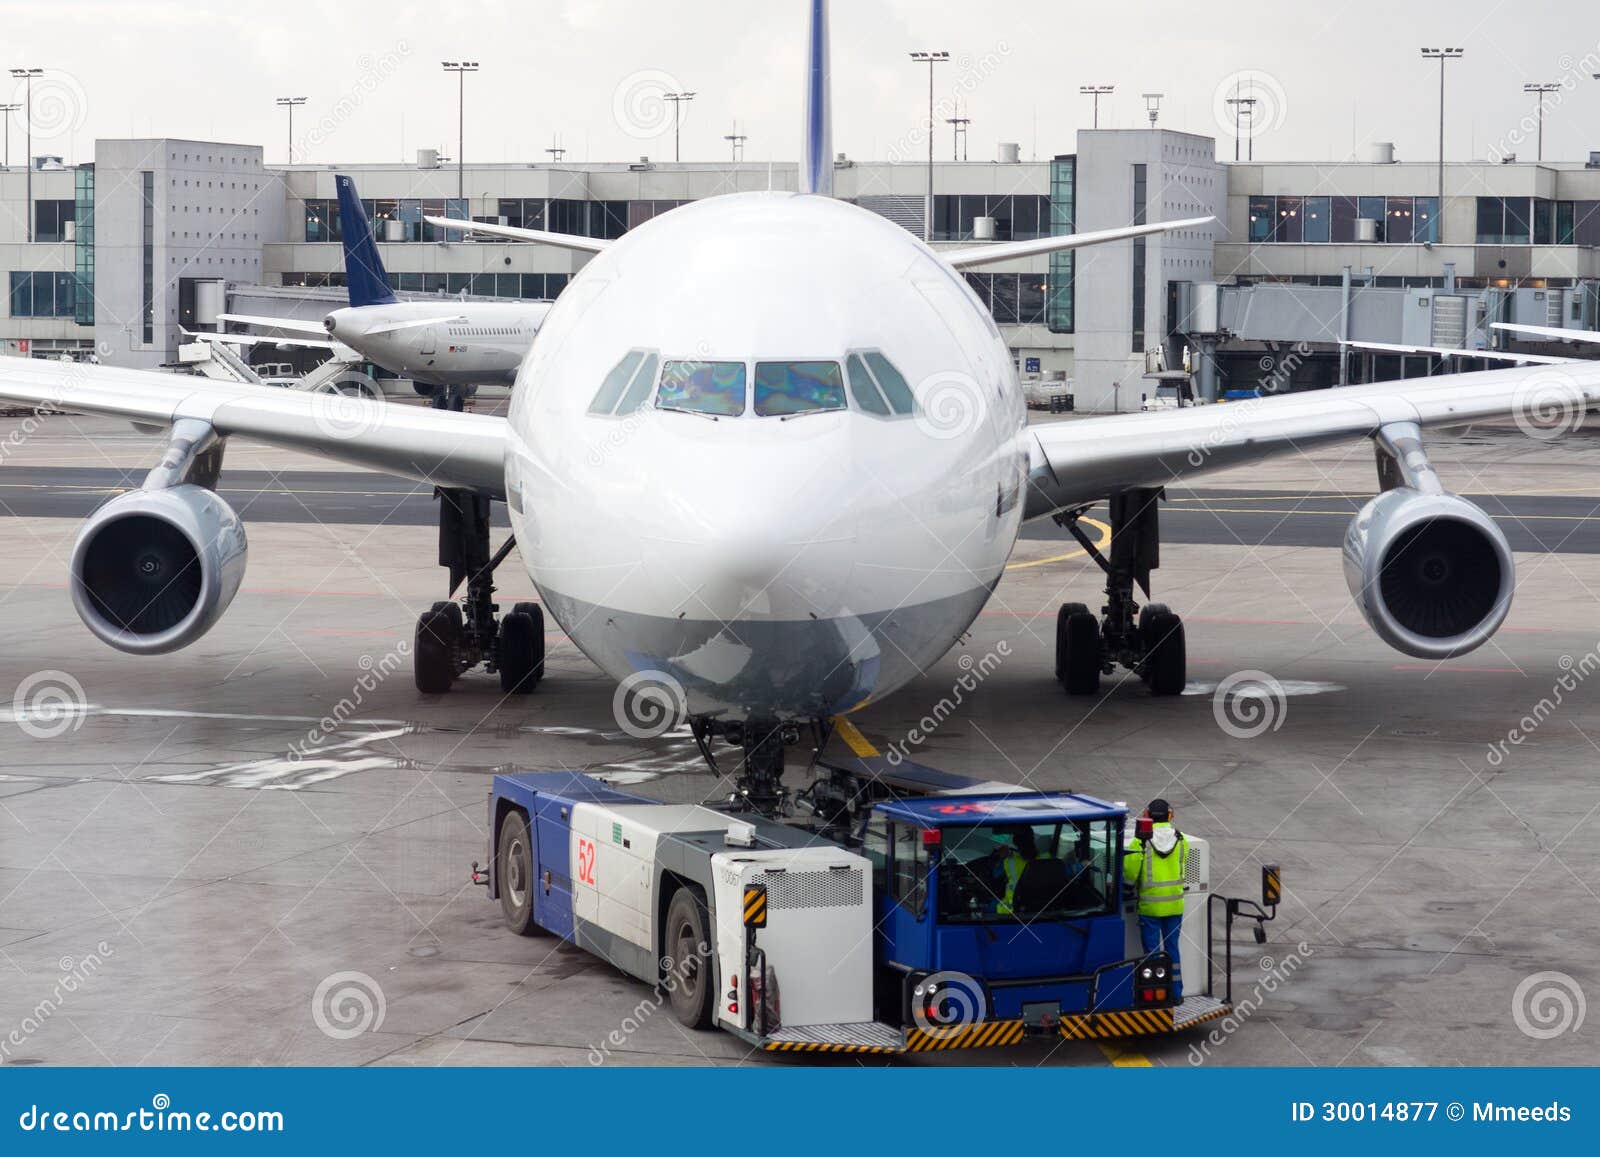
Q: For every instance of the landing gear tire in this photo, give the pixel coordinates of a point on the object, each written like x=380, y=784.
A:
x=513, y=871
x=689, y=974
x=1146, y=638
x=1166, y=653
x=1078, y=658
x=433, y=658
x=520, y=650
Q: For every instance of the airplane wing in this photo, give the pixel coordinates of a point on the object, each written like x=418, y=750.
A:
x=1549, y=331
x=293, y=325
x=1076, y=463
x=262, y=339
x=416, y=323
x=432, y=446
x=996, y=252
x=1439, y=351
x=512, y=233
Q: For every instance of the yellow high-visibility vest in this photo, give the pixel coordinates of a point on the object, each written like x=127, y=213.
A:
x=1159, y=878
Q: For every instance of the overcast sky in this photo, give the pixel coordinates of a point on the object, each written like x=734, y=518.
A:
x=1330, y=77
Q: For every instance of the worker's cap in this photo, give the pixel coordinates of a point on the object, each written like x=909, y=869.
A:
x=1159, y=810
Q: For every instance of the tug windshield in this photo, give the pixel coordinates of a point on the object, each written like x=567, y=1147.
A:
x=1025, y=872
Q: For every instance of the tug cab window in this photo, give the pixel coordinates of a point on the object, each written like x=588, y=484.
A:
x=909, y=871
x=716, y=389
x=1018, y=872
x=786, y=389
x=878, y=387
x=627, y=385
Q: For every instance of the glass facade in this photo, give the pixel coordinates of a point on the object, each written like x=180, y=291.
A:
x=147, y=299
x=523, y=286
x=83, y=247
x=1059, y=300
x=43, y=295
x=1140, y=193
x=1012, y=298
x=1286, y=220
x=1537, y=221
x=1017, y=217
x=50, y=219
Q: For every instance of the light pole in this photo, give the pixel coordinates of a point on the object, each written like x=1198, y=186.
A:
x=1540, y=90
x=461, y=68
x=1441, y=55
x=737, y=139
x=678, y=99
x=1152, y=105
x=958, y=137
x=28, y=74
x=930, y=59
x=290, y=103
x=1245, y=106
x=1097, y=91
x=6, y=110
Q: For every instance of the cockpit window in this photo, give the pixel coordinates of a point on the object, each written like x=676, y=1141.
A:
x=714, y=388
x=627, y=385
x=878, y=387
x=788, y=388
x=639, y=389
x=616, y=381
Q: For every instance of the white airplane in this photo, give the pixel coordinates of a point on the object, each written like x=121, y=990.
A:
x=769, y=454
x=434, y=343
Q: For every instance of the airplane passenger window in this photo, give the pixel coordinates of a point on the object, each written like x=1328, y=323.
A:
x=789, y=388
x=616, y=381
x=864, y=389
x=713, y=388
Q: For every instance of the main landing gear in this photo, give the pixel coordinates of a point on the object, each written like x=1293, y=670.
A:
x=454, y=637
x=1148, y=641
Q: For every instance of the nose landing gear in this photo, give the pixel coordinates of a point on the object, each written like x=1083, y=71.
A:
x=454, y=637
x=759, y=784
x=1148, y=641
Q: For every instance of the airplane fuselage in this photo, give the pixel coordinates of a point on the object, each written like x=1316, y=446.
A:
x=794, y=535
x=473, y=344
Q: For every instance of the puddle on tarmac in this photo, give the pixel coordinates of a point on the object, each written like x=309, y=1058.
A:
x=1276, y=689
x=294, y=771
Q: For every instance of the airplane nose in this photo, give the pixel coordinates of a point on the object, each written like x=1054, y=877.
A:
x=764, y=544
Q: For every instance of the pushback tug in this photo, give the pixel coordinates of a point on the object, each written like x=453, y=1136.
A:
x=879, y=924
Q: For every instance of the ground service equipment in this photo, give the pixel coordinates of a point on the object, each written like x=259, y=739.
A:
x=911, y=911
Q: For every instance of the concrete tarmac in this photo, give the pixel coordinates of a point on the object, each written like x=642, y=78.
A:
x=174, y=889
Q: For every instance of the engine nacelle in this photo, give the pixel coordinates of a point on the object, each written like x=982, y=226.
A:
x=1432, y=573
x=153, y=570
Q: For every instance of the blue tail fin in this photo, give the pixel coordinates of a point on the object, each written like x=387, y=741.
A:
x=363, y=268
x=816, y=151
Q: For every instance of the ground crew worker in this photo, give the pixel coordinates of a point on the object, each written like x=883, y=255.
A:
x=1155, y=869
x=1023, y=851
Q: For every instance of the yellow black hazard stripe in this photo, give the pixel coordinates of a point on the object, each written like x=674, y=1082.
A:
x=1134, y=1022
x=798, y=1046
x=987, y=1034
x=755, y=907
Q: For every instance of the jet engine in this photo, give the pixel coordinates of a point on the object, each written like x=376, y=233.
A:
x=153, y=570
x=1431, y=572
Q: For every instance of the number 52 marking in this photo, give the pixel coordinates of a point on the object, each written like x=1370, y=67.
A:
x=586, y=862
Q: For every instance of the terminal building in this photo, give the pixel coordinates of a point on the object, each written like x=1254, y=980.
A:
x=115, y=259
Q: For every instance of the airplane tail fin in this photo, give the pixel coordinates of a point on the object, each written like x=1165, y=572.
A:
x=816, y=154
x=363, y=268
